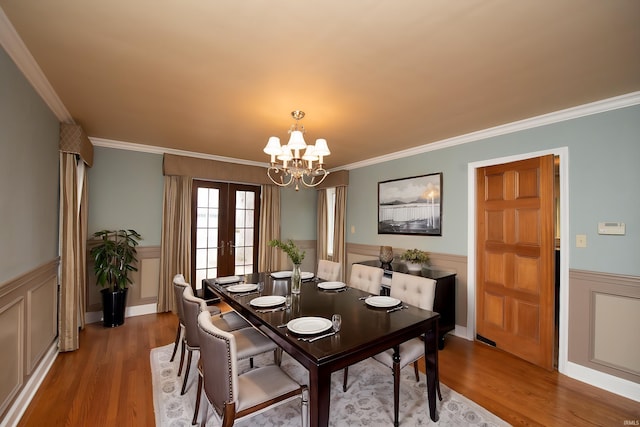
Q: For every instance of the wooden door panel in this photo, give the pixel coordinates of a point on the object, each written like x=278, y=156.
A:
x=515, y=303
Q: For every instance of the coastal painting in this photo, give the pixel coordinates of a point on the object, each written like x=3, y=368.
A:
x=411, y=205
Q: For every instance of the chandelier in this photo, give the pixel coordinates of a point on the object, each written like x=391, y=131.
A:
x=296, y=169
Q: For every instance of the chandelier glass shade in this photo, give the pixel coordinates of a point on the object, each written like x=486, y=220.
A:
x=288, y=166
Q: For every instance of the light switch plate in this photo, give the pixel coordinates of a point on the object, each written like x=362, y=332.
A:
x=581, y=240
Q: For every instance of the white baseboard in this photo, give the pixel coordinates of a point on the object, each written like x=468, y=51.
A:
x=21, y=403
x=136, y=310
x=616, y=385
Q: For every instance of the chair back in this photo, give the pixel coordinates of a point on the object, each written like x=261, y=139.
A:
x=366, y=278
x=329, y=270
x=179, y=286
x=415, y=290
x=219, y=363
x=192, y=307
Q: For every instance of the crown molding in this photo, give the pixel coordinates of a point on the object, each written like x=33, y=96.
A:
x=130, y=146
x=18, y=52
x=622, y=101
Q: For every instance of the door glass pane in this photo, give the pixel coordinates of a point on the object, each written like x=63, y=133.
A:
x=206, y=234
x=245, y=209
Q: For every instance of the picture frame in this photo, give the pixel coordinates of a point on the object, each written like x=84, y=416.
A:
x=411, y=205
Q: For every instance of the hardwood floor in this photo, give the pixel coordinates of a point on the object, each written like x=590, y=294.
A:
x=108, y=383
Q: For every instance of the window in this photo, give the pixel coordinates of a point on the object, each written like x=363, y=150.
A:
x=331, y=217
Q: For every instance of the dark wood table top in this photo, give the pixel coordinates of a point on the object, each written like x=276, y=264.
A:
x=365, y=332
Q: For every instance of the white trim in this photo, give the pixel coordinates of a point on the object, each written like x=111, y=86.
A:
x=611, y=383
x=20, y=405
x=563, y=154
x=18, y=52
x=122, y=145
x=136, y=310
x=622, y=101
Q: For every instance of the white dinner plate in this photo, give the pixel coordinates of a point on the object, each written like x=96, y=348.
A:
x=227, y=279
x=305, y=275
x=281, y=274
x=382, y=301
x=331, y=285
x=268, y=301
x=245, y=287
x=309, y=325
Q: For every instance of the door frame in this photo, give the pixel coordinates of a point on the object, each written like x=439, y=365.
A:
x=563, y=154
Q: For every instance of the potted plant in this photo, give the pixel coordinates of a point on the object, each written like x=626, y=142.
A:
x=296, y=256
x=414, y=259
x=114, y=257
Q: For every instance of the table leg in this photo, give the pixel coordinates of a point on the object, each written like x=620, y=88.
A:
x=431, y=362
x=319, y=397
x=396, y=384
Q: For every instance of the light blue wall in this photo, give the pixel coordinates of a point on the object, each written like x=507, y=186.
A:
x=29, y=135
x=604, y=151
x=298, y=213
x=125, y=191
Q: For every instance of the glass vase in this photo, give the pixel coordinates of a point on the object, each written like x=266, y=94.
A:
x=296, y=279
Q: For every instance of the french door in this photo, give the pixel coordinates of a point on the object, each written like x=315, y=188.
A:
x=224, y=230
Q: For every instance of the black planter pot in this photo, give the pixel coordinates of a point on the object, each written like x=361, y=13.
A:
x=113, y=306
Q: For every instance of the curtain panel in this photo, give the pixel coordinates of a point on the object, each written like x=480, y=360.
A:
x=340, y=230
x=321, y=228
x=268, y=257
x=175, y=245
x=73, y=250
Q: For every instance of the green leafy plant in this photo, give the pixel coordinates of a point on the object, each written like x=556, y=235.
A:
x=415, y=255
x=290, y=249
x=114, y=257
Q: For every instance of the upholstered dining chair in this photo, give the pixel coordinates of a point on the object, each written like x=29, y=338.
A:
x=234, y=395
x=250, y=341
x=329, y=270
x=178, y=288
x=420, y=292
x=366, y=278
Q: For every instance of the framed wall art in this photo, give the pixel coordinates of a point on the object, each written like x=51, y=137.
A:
x=411, y=205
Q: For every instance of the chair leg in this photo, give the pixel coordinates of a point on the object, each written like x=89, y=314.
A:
x=186, y=373
x=415, y=370
x=181, y=357
x=177, y=341
x=344, y=380
x=251, y=362
x=277, y=356
x=198, y=395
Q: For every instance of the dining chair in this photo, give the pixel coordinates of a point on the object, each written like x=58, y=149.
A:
x=250, y=341
x=234, y=395
x=329, y=270
x=366, y=278
x=178, y=288
x=420, y=292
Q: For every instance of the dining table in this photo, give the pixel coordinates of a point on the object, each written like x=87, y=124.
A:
x=366, y=329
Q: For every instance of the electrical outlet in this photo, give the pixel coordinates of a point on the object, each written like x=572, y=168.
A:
x=581, y=240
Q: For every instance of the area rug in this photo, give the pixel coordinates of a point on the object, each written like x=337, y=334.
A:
x=367, y=402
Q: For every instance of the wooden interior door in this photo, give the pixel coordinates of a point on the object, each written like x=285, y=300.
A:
x=515, y=258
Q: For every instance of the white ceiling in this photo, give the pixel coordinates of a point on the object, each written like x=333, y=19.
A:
x=374, y=77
